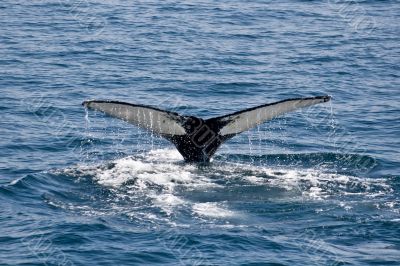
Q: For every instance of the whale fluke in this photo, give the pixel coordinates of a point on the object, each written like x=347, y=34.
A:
x=158, y=121
x=197, y=139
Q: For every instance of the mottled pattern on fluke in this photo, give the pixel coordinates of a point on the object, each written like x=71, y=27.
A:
x=197, y=139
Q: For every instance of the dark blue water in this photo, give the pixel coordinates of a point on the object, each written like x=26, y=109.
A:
x=320, y=186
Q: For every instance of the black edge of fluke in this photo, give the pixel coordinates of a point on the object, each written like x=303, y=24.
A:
x=326, y=98
x=87, y=102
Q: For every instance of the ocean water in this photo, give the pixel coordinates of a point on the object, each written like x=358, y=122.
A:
x=320, y=186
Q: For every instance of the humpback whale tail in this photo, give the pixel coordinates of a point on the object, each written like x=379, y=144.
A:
x=197, y=139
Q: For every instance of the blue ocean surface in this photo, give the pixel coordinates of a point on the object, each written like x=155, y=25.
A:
x=319, y=186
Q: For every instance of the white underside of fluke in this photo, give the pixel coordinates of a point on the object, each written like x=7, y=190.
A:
x=246, y=120
x=157, y=121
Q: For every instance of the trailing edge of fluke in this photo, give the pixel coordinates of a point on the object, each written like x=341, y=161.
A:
x=195, y=138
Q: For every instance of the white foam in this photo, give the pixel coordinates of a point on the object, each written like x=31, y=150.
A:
x=255, y=179
x=164, y=172
x=167, y=202
x=211, y=209
x=163, y=168
x=170, y=155
x=160, y=176
x=156, y=175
